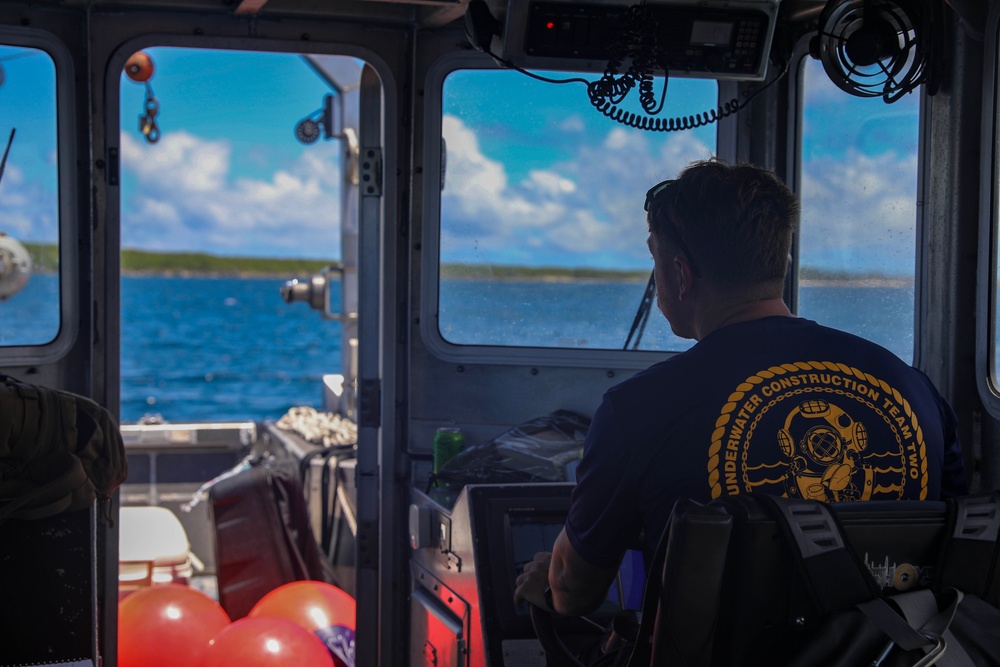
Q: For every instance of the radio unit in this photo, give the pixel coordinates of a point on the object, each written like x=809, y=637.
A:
x=721, y=40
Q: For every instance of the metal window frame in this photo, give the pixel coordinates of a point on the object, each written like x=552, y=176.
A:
x=70, y=220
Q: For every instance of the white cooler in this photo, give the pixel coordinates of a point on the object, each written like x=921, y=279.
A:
x=153, y=549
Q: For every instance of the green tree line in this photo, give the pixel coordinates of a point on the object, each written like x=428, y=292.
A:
x=512, y=272
x=45, y=258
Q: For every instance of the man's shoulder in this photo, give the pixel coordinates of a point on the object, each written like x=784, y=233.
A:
x=750, y=347
x=793, y=334
x=771, y=339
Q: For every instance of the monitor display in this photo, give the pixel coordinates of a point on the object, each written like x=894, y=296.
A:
x=510, y=524
x=530, y=533
x=711, y=33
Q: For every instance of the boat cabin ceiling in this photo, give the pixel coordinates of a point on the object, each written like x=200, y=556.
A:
x=422, y=14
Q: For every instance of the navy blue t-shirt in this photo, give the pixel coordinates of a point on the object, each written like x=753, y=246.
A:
x=779, y=405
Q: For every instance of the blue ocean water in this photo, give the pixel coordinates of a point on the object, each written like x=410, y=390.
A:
x=599, y=315
x=207, y=349
x=551, y=314
x=31, y=317
x=219, y=349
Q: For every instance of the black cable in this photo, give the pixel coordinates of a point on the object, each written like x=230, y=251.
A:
x=510, y=65
x=600, y=90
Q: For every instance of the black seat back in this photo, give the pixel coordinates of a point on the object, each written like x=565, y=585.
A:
x=697, y=543
x=734, y=591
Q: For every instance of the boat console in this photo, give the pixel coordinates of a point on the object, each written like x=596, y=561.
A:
x=465, y=559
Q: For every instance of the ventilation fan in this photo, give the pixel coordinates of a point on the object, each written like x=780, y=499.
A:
x=878, y=48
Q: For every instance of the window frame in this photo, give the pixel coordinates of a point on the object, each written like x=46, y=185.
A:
x=70, y=221
x=989, y=224
x=320, y=45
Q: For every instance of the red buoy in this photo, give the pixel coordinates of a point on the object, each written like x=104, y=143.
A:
x=167, y=625
x=139, y=67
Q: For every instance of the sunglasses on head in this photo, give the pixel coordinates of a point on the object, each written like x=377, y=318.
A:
x=674, y=235
x=655, y=192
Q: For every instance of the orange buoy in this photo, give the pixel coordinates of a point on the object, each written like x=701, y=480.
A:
x=167, y=625
x=139, y=67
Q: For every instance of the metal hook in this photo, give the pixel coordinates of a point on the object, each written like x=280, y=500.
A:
x=147, y=120
x=933, y=654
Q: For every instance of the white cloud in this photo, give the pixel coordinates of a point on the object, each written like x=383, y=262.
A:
x=186, y=193
x=16, y=224
x=12, y=175
x=29, y=204
x=618, y=139
x=482, y=179
x=582, y=211
x=179, y=160
x=860, y=212
x=186, y=197
x=550, y=183
x=572, y=123
x=820, y=89
x=587, y=210
x=157, y=211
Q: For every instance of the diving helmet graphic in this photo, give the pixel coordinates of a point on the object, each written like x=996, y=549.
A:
x=824, y=445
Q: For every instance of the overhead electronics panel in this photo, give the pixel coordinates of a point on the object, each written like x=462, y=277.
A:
x=712, y=40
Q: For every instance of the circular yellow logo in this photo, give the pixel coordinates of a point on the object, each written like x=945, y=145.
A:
x=818, y=430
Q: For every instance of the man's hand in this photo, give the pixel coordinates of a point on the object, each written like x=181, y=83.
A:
x=577, y=586
x=533, y=581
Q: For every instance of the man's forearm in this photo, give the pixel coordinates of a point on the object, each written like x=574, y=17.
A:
x=570, y=600
x=577, y=586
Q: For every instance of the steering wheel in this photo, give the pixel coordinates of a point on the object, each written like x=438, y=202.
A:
x=625, y=630
x=557, y=654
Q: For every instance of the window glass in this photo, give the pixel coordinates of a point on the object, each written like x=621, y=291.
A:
x=994, y=345
x=859, y=210
x=29, y=198
x=241, y=191
x=542, y=227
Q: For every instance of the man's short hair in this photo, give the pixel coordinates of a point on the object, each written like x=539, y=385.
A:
x=735, y=221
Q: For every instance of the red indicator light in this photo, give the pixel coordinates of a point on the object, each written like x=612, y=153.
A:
x=550, y=25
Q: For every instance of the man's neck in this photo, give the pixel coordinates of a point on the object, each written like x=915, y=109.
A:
x=726, y=313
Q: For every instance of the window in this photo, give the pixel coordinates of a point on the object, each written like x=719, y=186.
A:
x=29, y=199
x=542, y=229
x=857, y=246
x=241, y=191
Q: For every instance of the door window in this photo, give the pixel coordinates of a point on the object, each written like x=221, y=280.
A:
x=857, y=244
x=30, y=310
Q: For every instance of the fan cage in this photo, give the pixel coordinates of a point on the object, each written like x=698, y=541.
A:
x=901, y=62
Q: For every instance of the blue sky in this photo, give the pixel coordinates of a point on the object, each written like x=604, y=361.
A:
x=531, y=182
x=535, y=175
x=28, y=201
x=228, y=175
x=568, y=189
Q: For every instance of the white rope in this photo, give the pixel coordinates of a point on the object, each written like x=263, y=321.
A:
x=320, y=428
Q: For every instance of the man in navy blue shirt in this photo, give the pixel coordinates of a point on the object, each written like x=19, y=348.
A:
x=765, y=402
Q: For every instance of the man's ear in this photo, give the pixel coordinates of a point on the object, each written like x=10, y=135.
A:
x=684, y=276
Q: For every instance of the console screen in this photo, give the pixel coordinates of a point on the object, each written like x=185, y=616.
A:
x=531, y=533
